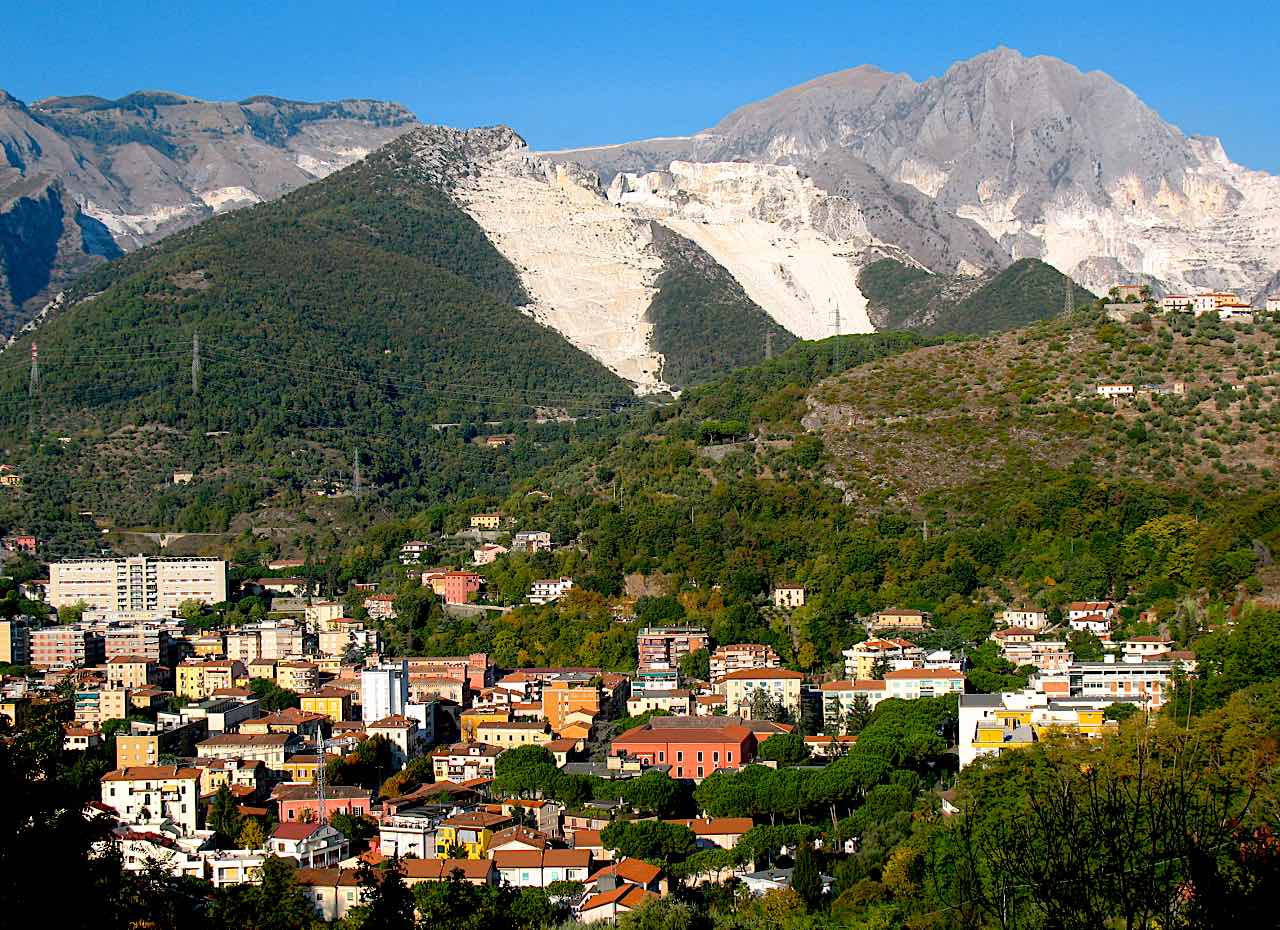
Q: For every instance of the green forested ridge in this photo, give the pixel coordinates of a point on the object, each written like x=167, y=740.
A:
x=353, y=313
x=902, y=297
x=704, y=324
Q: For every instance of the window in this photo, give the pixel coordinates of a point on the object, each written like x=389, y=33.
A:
x=699, y=755
x=728, y=756
x=699, y=771
x=679, y=756
x=715, y=756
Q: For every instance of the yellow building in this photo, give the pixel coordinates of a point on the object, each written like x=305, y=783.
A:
x=509, y=734
x=468, y=835
x=13, y=711
x=297, y=676
x=469, y=722
x=334, y=703
x=197, y=680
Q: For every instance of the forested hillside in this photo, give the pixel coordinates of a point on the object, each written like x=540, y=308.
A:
x=704, y=324
x=903, y=297
x=352, y=314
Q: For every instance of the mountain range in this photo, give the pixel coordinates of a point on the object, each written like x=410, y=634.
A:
x=672, y=260
x=84, y=179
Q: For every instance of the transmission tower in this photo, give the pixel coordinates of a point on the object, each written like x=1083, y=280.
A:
x=768, y=344
x=355, y=478
x=837, y=359
x=195, y=364
x=1069, y=295
x=320, y=812
x=34, y=390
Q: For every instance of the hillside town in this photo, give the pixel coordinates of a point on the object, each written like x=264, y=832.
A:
x=300, y=736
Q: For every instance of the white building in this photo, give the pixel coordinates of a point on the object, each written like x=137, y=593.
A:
x=1028, y=618
x=532, y=541
x=313, y=845
x=384, y=690
x=154, y=793
x=550, y=589
x=788, y=596
x=911, y=683
x=1273, y=303
x=136, y=584
x=779, y=685
x=1114, y=390
x=1078, y=609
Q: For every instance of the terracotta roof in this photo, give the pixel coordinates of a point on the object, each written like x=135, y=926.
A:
x=121, y=660
x=587, y=838
x=907, y=673
x=750, y=674
x=434, y=870
x=394, y=722
x=717, y=826
x=329, y=692
x=628, y=896
x=518, y=835
x=539, y=859
x=328, y=878
x=632, y=870
x=476, y=819
x=855, y=684
x=1013, y=631
x=247, y=739
x=1149, y=639
x=151, y=772
x=708, y=734
x=307, y=792
x=294, y=831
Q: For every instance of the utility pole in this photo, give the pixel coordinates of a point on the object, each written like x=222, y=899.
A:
x=320, y=812
x=195, y=364
x=355, y=480
x=768, y=344
x=33, y=394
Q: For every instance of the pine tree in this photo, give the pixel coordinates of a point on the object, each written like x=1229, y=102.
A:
x=806, y=880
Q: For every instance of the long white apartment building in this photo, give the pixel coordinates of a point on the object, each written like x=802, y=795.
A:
x=138, y=583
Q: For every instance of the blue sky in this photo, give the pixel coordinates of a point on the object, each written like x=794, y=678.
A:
x=566, y=74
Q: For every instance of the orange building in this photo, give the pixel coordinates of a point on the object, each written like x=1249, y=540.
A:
x=562, y=698
x=694, y=747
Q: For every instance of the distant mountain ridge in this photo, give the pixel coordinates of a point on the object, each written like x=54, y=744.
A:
x=1051, y=163
x=85, y=178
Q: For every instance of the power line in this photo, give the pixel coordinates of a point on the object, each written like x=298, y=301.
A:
x=34, y=389
x=195, y=364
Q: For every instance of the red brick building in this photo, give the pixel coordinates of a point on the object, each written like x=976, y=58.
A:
x=694, y=747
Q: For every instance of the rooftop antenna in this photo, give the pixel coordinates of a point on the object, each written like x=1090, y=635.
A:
x=34, y=390
x=195, y=364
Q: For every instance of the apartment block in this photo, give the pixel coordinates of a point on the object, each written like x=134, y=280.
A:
x=661, y=648
x=739, y=656
x=137, y=584
x=15, y=641
x=58, y=647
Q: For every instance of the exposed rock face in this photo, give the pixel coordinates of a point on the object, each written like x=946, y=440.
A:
x=1046, y=161
x=129, y=171
x=587, y=259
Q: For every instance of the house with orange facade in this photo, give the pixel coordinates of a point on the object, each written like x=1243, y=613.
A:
x=693, y=747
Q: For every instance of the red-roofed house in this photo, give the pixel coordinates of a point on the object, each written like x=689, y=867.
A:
x=538, y=868
x=313, y=845
x=609, y=904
